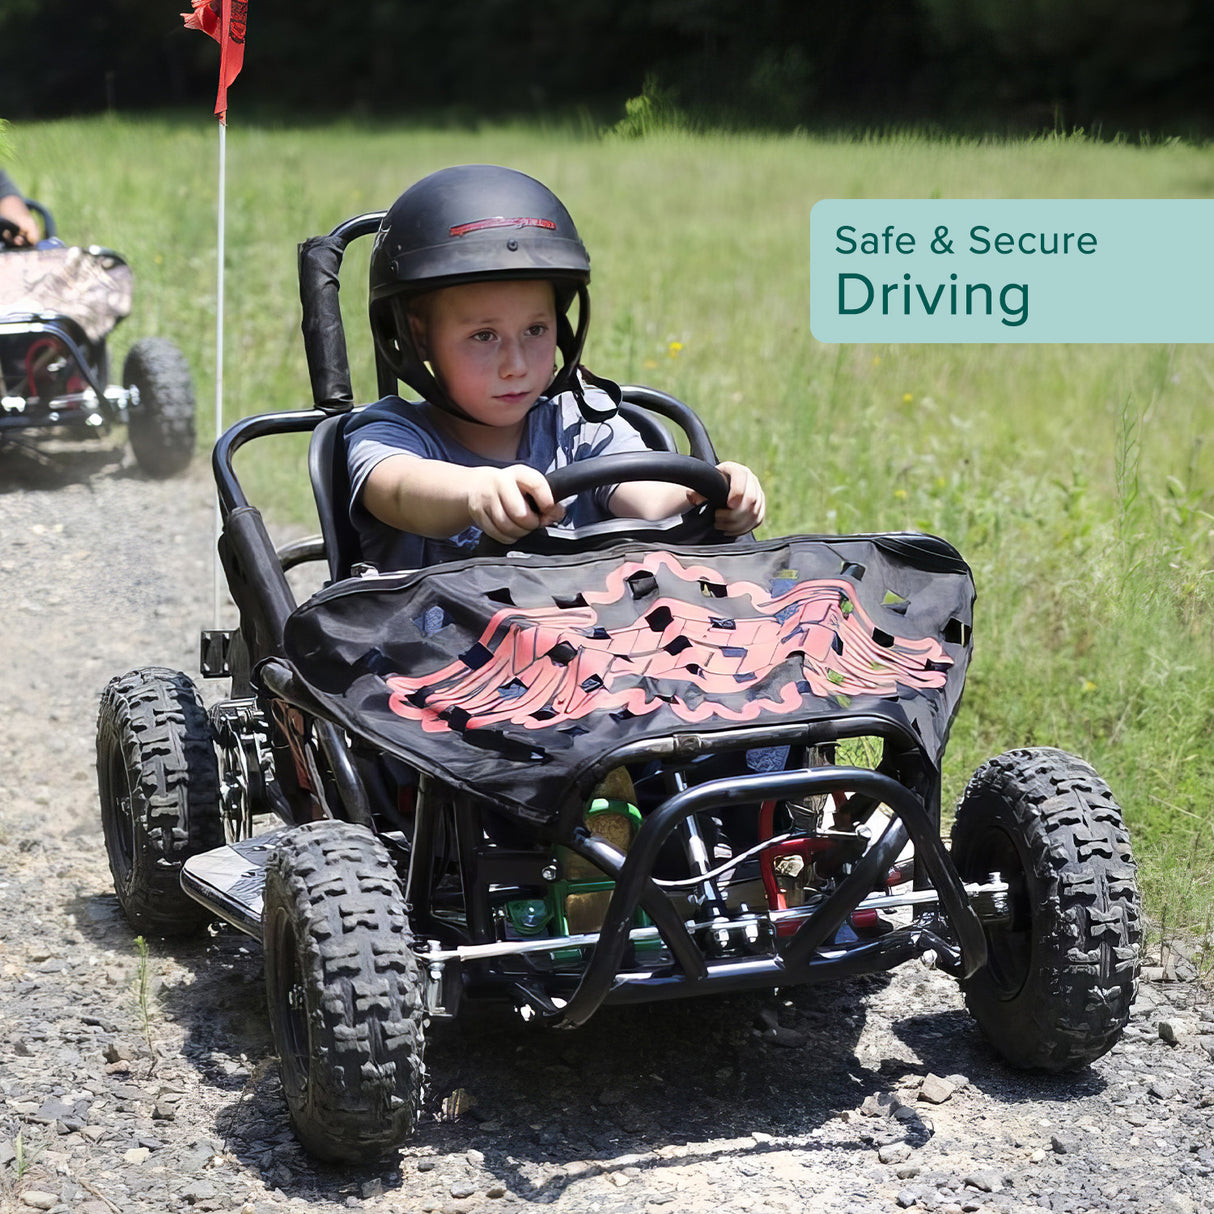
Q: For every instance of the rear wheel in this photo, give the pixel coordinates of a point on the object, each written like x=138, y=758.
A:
x=1062, y=970
x=161, y=422
x=344, y=992
x=158, y=783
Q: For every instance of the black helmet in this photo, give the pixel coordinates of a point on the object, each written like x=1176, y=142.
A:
x=474, y=223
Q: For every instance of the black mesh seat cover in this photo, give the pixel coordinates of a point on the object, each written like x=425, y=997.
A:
x=511, y=676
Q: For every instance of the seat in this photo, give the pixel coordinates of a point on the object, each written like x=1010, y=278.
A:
x=330, y=477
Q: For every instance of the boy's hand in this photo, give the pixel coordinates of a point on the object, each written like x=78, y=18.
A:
x=18, y=214
x=507, y=503
x=745, y=506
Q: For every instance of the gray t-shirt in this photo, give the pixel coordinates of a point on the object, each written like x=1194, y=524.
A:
x=554, y=434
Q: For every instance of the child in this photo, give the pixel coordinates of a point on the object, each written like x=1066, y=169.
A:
x=473, y=274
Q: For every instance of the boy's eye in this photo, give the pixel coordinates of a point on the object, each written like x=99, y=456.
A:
x=483, y=335
x=538, y=329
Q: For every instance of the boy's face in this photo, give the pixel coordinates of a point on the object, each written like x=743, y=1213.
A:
x=492, y=345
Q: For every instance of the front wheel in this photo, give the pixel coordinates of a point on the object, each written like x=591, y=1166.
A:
x=161, y=421
x=1062, y=969
x=158, y=783
x=344, y=992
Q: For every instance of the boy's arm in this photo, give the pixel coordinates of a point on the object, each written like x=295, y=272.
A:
x=743, y=511
x=436, y=499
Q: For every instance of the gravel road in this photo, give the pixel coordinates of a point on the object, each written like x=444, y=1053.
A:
x=148, y=1086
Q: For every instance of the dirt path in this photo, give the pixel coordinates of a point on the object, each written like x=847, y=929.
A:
x=815, y=1101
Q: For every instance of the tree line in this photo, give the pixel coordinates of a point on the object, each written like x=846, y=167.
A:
x=1113, y=65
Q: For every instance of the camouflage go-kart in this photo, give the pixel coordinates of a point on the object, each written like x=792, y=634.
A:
x=57, y=306
x=604, y=771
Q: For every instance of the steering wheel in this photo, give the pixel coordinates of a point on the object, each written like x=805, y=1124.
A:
x=694, y=526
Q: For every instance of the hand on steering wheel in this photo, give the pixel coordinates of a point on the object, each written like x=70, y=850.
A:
x=695, y=525
x=10, y=234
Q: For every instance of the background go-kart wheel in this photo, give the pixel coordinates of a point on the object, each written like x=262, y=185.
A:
x=344, y=992
x=1055, y=993
x=161, y=425
x=158, y=782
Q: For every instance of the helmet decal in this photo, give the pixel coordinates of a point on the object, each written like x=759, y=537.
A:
x=500, y=221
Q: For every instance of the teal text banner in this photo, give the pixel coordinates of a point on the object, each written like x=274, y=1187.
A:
x=1002, y=270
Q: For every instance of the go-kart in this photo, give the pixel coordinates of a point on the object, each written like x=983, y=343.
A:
x=57, y=306
x=607, y=770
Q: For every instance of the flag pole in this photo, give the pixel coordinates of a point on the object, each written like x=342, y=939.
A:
x=225, y=21
x=220, y=257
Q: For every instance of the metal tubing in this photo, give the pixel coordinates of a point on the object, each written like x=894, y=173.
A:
x=25, y=323
x=761, y=973
x=229, y=490
x=690, y=745
x=602, y=969
x=654, y=902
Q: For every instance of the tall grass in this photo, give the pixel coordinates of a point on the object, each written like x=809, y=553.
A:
x=1078, y=480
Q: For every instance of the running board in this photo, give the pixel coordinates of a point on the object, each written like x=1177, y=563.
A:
x=229, y=880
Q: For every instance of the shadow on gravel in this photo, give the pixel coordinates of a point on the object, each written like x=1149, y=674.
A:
x=548, y=1108
x=628, y=1083
x=221, y=1009
x=55, y=463
x=951, y=1043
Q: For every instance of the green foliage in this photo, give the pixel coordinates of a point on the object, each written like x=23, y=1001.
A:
x=1077, y=480
x=652, y=112
x=1098, y=64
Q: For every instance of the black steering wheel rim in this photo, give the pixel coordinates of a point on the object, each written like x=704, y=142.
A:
x=695, y=524
x=676, y=469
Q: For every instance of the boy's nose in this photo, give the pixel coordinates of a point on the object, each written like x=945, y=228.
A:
x=513, y=360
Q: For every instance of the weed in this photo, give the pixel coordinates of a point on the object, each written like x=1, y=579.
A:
x=144, y=991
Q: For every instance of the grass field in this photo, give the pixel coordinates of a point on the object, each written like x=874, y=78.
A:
x=1077, y=480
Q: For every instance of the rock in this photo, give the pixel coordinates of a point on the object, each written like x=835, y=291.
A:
x=894, y=1152
x=36, y=1199
x=935, y=1090
x=462, y=1188
x=984, y=1182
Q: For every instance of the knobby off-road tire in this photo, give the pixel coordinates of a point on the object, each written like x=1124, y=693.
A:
x=161, y=425
x=1056, y=991
x=344, y=992
x=158, y=783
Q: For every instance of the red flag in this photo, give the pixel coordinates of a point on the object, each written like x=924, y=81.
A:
x=224, y=20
